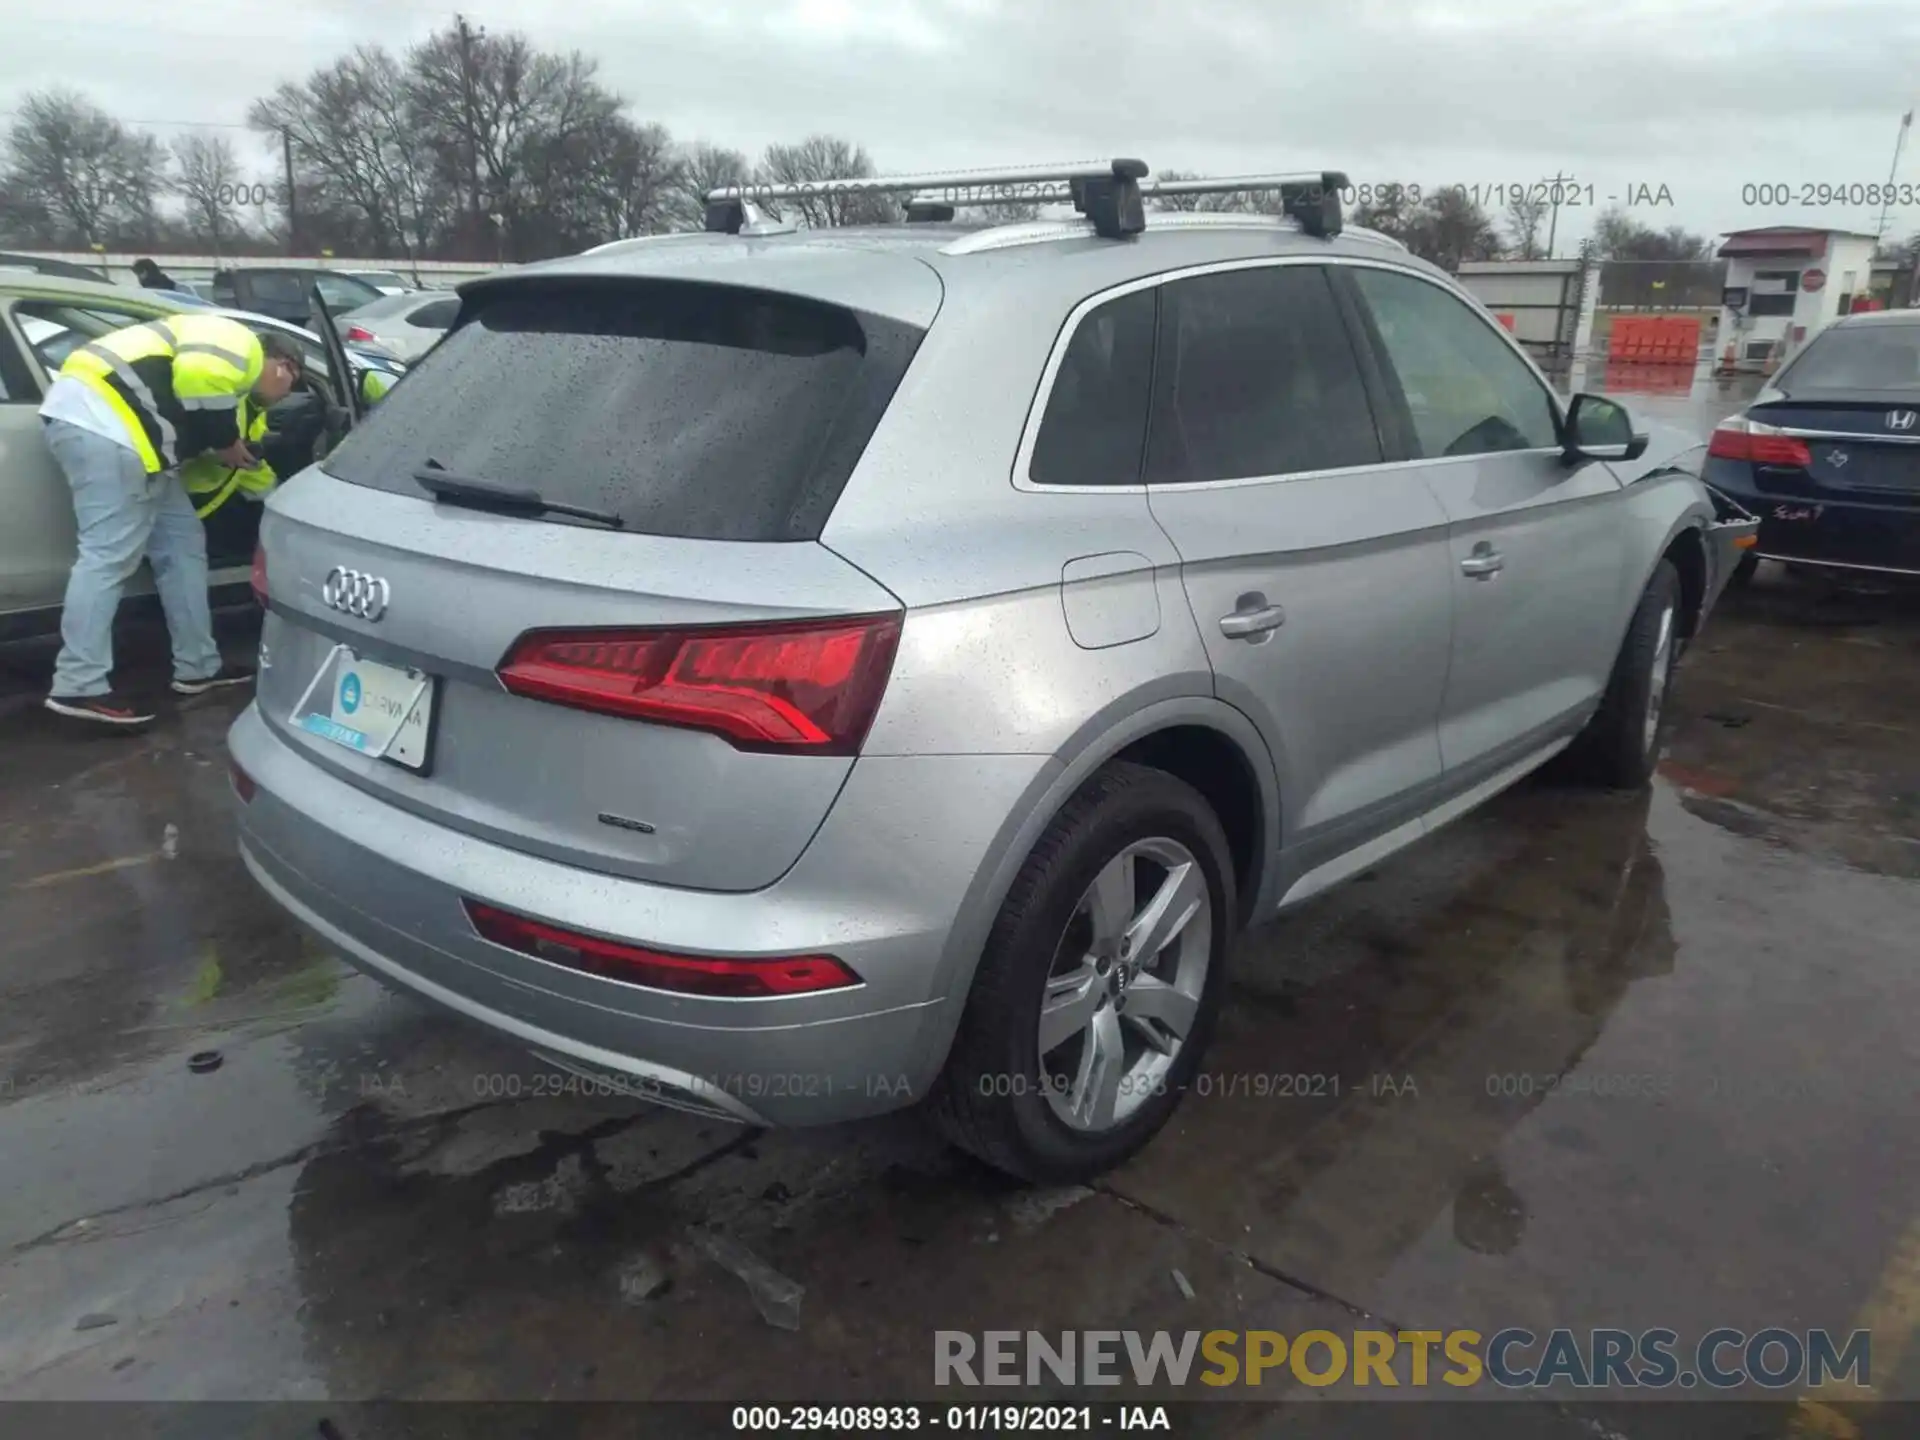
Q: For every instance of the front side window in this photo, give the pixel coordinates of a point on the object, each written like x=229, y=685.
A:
x=1467, y=392
x=1257, y=378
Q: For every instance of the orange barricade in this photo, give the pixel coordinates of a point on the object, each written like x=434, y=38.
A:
x=1655, y=339
x=1505, y=319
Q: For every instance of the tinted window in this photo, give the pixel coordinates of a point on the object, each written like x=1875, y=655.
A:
x=702, y=411
x=1857, y=357
x=275, y=287
x=342, y=292
x=1096, y=419
x=16, y=381
x=55, y=331
x=437, y=316
x=1257, y=377
x=1468, y=393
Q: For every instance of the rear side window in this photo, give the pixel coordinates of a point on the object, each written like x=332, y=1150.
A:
x=276, y=287
x=1095, y=423
x=1257, y=377
x=437, y=316
x=701, y=411
x=1857, y=357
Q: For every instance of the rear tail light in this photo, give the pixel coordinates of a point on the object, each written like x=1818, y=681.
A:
x=259, y=577
x=242, y=782
x=809, y=687
x=358, y=332
x=685, y=974
x=1742, y=439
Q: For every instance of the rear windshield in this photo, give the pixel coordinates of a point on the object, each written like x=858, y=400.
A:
x=1858, y=357
x=702, y=411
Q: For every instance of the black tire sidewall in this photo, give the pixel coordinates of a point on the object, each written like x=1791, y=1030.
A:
x=1157, y=805
x=1639, y=754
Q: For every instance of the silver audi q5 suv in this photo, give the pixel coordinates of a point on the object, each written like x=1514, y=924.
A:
x=791, y=675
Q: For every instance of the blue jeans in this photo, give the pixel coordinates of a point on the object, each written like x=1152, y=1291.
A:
x=123, y=514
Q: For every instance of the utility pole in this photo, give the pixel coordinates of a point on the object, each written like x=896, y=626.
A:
x=1899, y=144
x=1554, y=196
x=466, y=35
x=293, y=202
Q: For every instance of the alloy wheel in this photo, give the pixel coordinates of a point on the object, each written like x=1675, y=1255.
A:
x=1124, y=989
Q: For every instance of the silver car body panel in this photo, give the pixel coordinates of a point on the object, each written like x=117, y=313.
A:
x=1045, y=630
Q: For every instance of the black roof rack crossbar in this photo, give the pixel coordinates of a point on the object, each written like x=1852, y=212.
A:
x=1106, y=191
x=1110, y=193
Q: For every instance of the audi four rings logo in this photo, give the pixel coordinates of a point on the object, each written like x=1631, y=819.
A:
x=356, y=592
x=1902, y=419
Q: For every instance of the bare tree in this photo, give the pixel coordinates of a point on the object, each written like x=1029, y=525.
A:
x=209, y=182
x=1392, y=211
x=1178, y=202
x=826, y=157
x=336, y=149
x=24, y=219
x=1450, y=228
x=703, y=168
x=95, y=178
x=1616, y=236
x=501, y=116
x=635, y=176
x=1526, y=212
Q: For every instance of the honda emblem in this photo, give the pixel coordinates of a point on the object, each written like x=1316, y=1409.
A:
x=1902, y=419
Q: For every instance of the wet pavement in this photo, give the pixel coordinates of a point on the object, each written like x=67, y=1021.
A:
x=1584, y=1060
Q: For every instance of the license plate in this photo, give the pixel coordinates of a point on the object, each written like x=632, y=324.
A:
x=378, y=710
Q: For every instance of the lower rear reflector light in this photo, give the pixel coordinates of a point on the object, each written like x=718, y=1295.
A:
x=242, y=782
x=637, y=965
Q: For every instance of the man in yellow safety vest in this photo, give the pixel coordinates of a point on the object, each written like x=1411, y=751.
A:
x=126, y=411
x=211, y=482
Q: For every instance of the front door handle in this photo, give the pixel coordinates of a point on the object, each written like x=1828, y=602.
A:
x=1245, y=624
x=1484, y=563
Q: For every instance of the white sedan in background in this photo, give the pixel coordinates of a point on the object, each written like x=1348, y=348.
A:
x=408, y=325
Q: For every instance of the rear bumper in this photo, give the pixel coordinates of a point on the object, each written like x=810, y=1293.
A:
x=887, y=885
x=1843, y=534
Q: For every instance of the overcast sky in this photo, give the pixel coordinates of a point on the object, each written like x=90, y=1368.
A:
x=1700, y=96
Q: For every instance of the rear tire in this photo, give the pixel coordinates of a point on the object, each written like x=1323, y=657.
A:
x=1130, y=839
x=1621, y=743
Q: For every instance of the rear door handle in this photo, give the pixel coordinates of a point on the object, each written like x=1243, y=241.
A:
x=1245, y=624
x=1484, y=563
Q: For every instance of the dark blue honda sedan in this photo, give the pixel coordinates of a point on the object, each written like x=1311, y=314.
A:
x=1828, y=455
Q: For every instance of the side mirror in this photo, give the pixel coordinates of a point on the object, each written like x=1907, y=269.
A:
x=1597, y=428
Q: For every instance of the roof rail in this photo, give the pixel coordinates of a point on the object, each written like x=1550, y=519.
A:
x=1107, y=192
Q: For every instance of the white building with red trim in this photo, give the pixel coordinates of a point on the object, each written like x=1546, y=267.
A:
x=1784, y=284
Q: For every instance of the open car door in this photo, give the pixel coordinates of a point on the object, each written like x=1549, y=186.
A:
x=349, y=412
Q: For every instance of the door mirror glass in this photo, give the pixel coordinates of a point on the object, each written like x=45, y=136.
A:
x=1600, y=429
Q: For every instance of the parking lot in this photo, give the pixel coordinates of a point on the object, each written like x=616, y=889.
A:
x=1584, y=1060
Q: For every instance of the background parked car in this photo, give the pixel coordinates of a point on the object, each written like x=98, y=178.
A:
x=36, y=265
x=387, y=282
x=287, y=292
x=408, y=325
x=1829, y=453
x=42, y=320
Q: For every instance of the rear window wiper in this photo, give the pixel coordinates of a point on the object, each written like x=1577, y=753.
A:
x=443, y=484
